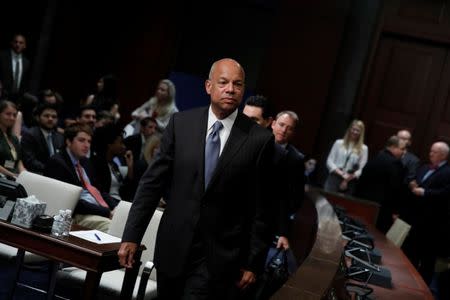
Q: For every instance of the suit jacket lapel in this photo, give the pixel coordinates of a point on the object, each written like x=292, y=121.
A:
x=432, y=174
x=70, y=166
x=42, y=141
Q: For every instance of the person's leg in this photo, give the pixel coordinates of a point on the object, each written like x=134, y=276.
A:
x=169, y=288
x=197, y=281
x=93, y=222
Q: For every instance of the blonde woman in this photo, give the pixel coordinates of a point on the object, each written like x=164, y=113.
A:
x=160, y=107
x=347, y=158
x=151, y=148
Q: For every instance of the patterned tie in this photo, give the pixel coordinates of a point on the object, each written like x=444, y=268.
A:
x=51, y=149
x=91, y=189
x=212, y=150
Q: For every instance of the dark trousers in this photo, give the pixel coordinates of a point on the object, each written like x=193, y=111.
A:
x=196, y=283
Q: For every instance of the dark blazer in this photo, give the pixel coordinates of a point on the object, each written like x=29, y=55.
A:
x=434, y=205
x=6, y=74
x=35, y=149
x=60, y=167
x=229, y=216
x=289, y=182
x=382, y=181
x=103, y=179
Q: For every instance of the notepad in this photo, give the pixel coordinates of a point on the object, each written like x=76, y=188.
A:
x=96, y=236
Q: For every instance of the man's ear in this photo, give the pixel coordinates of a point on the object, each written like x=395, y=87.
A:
x=273, y=123
x=208, y=86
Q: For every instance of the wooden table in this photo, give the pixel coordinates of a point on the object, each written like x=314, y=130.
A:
x=94, y=258
x=406, y=281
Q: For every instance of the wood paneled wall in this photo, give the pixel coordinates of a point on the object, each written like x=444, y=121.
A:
x=408, y=85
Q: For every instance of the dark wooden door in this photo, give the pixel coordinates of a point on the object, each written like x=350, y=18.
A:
x=406, y=89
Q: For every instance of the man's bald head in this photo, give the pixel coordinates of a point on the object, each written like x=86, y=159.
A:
x=405, y=136
x=439, y=152
x=225, y=60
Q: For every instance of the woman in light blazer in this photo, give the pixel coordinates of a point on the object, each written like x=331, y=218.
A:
x=347, y=158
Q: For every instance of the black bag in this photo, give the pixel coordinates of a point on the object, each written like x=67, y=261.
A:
x=274, y=276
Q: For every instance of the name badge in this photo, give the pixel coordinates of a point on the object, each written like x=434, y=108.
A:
x=9, y=164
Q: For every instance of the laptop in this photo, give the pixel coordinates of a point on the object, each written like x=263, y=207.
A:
x=57, y=194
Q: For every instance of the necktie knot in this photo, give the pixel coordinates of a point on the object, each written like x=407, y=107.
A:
x=433, y=167
x=217, y=127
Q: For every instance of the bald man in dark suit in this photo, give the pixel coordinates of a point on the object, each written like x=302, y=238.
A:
x=213, y=236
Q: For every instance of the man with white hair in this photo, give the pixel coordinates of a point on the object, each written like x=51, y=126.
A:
x=429, y=216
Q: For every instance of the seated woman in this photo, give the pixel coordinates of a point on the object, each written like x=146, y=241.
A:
x=110, y=178
x=160, y=107
x=10, y=152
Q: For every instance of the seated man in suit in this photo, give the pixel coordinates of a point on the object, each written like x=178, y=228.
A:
x=41, y=141
x=94, y=210
x=136, y=142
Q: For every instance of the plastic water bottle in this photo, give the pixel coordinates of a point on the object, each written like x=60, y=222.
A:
x=58, y=224
x=62, y=222
x=67, y=217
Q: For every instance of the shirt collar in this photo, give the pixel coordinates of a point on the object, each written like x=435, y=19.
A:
x=72, y=157
x=45, y=132
x=226, y=122
x=15, y=55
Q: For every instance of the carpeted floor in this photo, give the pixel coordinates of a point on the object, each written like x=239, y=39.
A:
x=35, y=276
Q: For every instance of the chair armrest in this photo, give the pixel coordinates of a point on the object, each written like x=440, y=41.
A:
x=148, y=268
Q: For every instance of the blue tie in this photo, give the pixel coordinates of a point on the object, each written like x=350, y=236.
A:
x=212, y=150
x=51, y=149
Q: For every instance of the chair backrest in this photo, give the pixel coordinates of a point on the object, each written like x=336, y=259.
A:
x=119, y=219
x=57, y=194
x=149, y=239
x=398, y=232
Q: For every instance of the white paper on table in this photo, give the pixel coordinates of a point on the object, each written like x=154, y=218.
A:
x=89, y=235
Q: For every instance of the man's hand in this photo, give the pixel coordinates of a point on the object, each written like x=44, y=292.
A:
x=283, y=242
x=129, y=157
x=248, y=277
x=412, y=185
x=418, y=191
x=126, y=254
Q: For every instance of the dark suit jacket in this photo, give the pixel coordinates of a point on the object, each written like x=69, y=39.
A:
x=289, y=182
x=6, y=74
x=35, y=150
x=382, y=181
x=229, y=215
x=433, y=207
x=60, y=167
x=103, y=179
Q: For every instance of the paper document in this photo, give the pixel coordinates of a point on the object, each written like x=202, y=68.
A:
x=96, y=236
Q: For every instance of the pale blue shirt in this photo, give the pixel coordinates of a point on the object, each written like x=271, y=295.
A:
x=85, y=195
